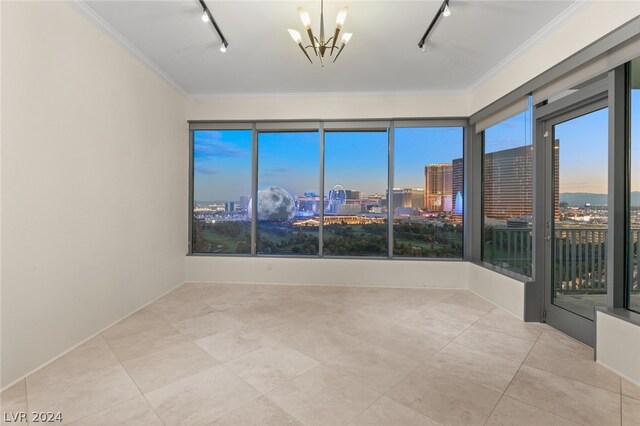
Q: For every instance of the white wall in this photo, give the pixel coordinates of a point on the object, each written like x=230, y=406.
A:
x=351, y=272
x=505, y=292
x=618, y=346
x=593, y=21
x=326, y=107
x=94, y=183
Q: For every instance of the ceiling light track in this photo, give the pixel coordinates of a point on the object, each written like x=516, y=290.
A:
x=207, y=17
x=443, y=11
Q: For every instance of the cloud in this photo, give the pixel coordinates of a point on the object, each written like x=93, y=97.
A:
x=280, y=171
x=207, y=149
x=204, y=169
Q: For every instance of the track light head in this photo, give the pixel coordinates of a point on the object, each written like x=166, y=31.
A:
x=205, y=16
x=223, y=48
x=446, y=12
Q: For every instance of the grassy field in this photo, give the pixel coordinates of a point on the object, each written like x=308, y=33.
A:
x=220, y=243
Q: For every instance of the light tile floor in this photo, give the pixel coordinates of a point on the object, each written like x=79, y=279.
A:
x=290, y=355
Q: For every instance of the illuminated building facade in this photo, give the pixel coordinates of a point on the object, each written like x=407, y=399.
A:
x=438, y=179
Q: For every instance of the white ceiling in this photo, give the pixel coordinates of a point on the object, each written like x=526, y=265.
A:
x=382, y=56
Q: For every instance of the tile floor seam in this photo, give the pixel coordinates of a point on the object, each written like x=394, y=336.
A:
x=277, y=405
x=167, y=384
x=379, y=347
x=570, y=378
x=459, y=334
x=258, y=390
x=26, y=398
x=486, y=327
x=286, y=381
x=136, y=384
x=562, y=416
x=543, y=409
x=471, y=347
x=411, y=372
x=120, y=361
x=139, y=332
x=230, y=359
x=335, y=370
x=266, y=395
x=550, y=334
x=511, y=381
x=460, y=378
x=364, y=409
x=103, y=409
x=621, y=412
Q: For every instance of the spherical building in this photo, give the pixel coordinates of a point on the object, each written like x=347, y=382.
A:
x=274, y=203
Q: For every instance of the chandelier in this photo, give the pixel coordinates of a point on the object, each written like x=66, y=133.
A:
x=320, y=46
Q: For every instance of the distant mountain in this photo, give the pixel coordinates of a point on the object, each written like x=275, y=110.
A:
x=579, y=199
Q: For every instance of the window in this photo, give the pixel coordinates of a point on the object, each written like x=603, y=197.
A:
x=427, y=198
x=327, y=193
x=221, y=191
x=288, y=193
x=355, y=185
x=580, y=221
x=634, y=196
x=507, y=194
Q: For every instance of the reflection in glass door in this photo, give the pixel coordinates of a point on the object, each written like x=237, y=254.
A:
x=579, y=216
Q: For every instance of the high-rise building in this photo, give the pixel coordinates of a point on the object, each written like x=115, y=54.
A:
x=353, y=194
x=244, y=202
x=402, y=198
x=417, y=198
x=508, y=182
x=438, y=187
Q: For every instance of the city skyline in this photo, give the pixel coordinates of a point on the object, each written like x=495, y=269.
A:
x=295, y=167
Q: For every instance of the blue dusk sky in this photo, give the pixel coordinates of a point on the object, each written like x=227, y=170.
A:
x=583, y=153
x=358, y=160
x=291, y=160
x=221, y=165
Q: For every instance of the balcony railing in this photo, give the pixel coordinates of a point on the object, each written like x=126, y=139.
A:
x=511, y=248
x=580, y=260
x=580, y=257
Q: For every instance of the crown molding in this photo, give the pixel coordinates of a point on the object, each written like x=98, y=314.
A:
x=85, y=10
x=574, y=8
x=441, y=93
